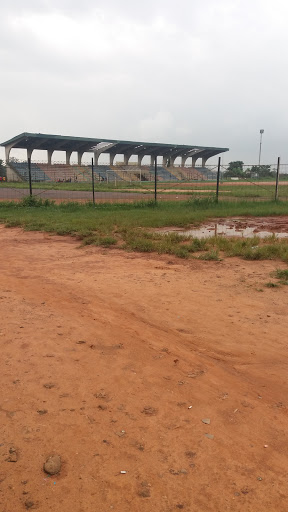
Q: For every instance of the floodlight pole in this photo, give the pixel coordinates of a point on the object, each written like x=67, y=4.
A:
x=260, y=147
x=155, y=190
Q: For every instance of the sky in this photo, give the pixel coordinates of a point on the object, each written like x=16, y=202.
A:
x=209, y=73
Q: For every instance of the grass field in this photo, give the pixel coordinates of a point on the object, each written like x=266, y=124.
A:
x=228, y=189
x=132, y=226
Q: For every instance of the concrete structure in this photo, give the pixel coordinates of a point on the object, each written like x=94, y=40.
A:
x=51, y=143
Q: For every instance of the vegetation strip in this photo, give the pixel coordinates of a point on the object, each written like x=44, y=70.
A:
x=130, y=226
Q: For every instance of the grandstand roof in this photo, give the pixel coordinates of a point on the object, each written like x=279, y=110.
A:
x=43, y=141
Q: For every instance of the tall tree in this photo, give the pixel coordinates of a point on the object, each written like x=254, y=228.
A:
x=235, y=169
x=2, y=168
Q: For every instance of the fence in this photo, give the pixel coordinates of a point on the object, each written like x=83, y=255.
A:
x=60, y=182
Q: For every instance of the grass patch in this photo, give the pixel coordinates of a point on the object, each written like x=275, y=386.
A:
x=212, y=255
x=282, y=275
x=131, y=226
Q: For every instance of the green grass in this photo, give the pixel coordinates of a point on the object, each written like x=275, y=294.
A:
x=282, y=275
x=131, y=226
x=249, y=190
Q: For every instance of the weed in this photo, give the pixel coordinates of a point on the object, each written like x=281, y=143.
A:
x=141, y=245
x=270, y=284
x=32, y=201
x=210, y=256
x=282, y=275
x=107, y=241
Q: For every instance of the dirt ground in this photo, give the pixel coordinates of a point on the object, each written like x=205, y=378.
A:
x=112, y=360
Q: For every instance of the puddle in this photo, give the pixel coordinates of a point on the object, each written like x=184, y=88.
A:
x=245, y=228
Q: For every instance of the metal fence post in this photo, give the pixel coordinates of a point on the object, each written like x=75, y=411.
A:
x=30, y=177
x=93, y=184
x=218, y=179
x=155, y=177
x=277, y=179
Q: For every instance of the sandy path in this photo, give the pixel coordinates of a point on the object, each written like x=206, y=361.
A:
x=160, y=334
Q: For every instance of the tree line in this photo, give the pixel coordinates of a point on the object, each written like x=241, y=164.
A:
x=235, y=170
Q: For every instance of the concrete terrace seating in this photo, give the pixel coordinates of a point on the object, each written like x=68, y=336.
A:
x=165, y=175
x=193, y=174
x=207, y=173
x=37, y=173
x=176, y=172
x=63, y=172
x=126, y=172
x=107, y=173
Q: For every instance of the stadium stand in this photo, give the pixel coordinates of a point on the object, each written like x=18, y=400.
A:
x=107, y=173
x=131, y=173
x=21, y=168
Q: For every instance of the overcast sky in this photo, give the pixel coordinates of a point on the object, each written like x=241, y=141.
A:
x=208, y=73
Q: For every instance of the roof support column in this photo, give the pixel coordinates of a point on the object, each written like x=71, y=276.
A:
x=80, y=154
x=166, y=160
x=183, y=160
x=152, y=160
x=49, y=155
x=194, y=160
x=172, y=160
x=112, y=156
x=103, y=149
x=126, y=158
x=96, y=157
x=140, y=158
x=204, y=160
x=29, y=152
x=7, y=152
x=68, y=156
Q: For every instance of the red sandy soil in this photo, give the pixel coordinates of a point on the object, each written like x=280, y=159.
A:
x=158, y=335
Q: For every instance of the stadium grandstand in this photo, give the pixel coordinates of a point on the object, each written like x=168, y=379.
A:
x=125, y=170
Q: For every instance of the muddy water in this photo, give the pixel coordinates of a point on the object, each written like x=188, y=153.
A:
x=246, y=228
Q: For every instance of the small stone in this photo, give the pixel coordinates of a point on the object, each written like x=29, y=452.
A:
x=206, y=421
x=209, y=436
x=13, y=457
x=259, y=478
x=42, y=411
x=52, y=466
x=120, y=434
x=190, y=454
x=80, y=342
x=183, y=471
x=149, y=411
x=49, y=385
x=144, y=492
x=29, y=504
x=102, y=395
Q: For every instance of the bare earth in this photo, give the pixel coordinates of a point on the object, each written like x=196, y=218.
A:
x=158, y=335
